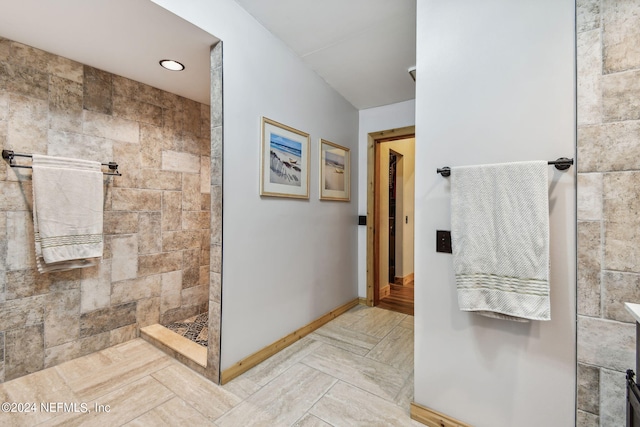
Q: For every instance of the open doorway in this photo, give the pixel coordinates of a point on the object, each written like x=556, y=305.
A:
x=390, y=209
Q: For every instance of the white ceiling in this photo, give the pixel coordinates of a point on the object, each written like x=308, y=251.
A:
x=362, y=48
x=124, y=37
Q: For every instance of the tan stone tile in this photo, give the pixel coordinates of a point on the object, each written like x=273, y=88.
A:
x=171, y=295
x=124, y=264
x=588, y=15
x=179, y=240
x=190, y=268
x=587, y=419
x=77, y=146
x=136, y=289
x=378, y=378
x=26, y=81
x=205, y=174
x=612, y=401
x=216, y=96
x=589, y=66
x=148, y=311
x=216, y=258
x=241, y=387
x=62, y=317
x=191, y=387
x=621, y=35
x=98, y=89
x=196, y=220
x=20, y=237
x=588, y=388
x=159, y=263
x=171, y=101
x=195, y=295
x=205, y=201
x=5, y=48
x=620, y=94
x=105, y=126
x=125, y=404
x=40, y=387
x=377, y=322
x=106, y=319
x=96, y=287
x=175, y=412
x=127, y=199
x=404, y=398
x=120, y=222
x=589, y=268
x=151, y=146
x=216, y=142
x=609, y=147
x=606, y=343
x=161, y=180
x=283, y=401
x=22, y=313
x=395, y=349
x=204, y=276
x=344, y=338
x=124, y=334
x=622, y=225
x=171, y=210
x=619, y=288
x=66, y=69
x=216, y=171
x=590, y=196
x=150, y=232
x=271, y=368
x=24, y=351
x=192, y=144
x=4, y=115
x=150, y=94
x=128, y=157
x=27, y=125
x=309, y=420
x=178, y=343
x=138, y=111
x=192, y=120
x=65, y=352
x=180, y=162
x=216, y=214
x=348, y=405
x=65, y=105
x=25, y=283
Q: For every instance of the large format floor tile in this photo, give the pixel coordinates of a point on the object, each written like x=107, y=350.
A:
x=357, y=370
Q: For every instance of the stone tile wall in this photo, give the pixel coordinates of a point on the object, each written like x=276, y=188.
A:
x=608, y=42
x=157, y=215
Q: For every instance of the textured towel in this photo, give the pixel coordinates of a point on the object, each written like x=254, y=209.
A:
x=500, y=239
x=67, y=212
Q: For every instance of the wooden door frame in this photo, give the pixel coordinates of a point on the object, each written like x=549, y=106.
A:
x=373, y=161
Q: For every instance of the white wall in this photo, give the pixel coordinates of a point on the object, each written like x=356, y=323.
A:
x=375, y=119
x=286, y=262
x=496, y=83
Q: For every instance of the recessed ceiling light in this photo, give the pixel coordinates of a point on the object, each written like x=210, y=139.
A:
x=172, y=65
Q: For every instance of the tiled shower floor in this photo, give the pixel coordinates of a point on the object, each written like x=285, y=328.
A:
x=194, y=328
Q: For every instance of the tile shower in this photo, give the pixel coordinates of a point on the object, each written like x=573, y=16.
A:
x=608, y=32
x=162, y=253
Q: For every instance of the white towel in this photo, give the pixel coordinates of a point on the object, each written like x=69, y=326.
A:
x=67, y=212
x=500, y=239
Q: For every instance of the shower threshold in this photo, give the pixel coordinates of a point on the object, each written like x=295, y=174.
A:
x=182, y=340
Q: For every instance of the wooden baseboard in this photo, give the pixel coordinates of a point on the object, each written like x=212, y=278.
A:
x=404, y=280
x=261, y=355
x=385, y=291
x=362, y=301
x=432, y=418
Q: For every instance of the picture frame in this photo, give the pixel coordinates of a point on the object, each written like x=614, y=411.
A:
x=335, y=172
x=284, y=168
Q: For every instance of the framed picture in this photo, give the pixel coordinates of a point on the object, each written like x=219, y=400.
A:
x=335, y=172
x=284, y=170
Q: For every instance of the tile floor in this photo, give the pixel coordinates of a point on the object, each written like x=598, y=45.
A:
x=356, y=370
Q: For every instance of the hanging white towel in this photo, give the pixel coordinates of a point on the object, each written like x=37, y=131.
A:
x=67, y=212
x=500, y=239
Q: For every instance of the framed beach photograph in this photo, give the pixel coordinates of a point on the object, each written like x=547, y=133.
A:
x=285, y=161
x=335, y=172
